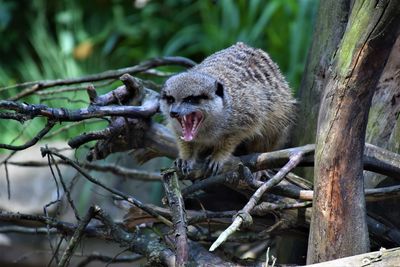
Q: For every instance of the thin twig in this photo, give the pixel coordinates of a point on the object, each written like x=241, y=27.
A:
x=142, y=242
x=126, y=197
x=28, y=230
x=110, y=74
x=66, y=190
x=68, y=99
x=71, y=125
x=245, y=212
x=73, y=89
x=55, y=252
x=34, y=140
x=133, y=174
x=7, y=181
x=75, y=239
x=107, y=259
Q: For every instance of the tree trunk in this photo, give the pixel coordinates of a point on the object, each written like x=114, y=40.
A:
x=383, y=127
x=339, y=215
x=330, y=25
x=329, y=29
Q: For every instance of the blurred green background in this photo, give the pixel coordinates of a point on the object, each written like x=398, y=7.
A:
x=71, y=38
x=61, y=39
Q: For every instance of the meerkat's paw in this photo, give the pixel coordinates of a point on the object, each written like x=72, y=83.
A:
x=213, y=166
x=184, y=166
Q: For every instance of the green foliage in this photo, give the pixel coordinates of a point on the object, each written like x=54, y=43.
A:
x=58, y=39
x=70, y=38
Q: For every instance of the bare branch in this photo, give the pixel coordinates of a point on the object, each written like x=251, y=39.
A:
x=114, y=169
x=177, y=207
x=111, y=74
x=244, y=214
x=75, y=239
x=14, y=116
x=62, y=114
x=33, y=141
x=107, y=259
x=124, y=196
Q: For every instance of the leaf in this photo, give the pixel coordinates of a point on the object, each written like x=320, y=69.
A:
x=136, y=216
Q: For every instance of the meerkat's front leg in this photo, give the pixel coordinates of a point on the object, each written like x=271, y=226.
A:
x=222, y=152
x=186, y=159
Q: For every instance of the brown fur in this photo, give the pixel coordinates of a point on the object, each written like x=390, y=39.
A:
x=255, y=111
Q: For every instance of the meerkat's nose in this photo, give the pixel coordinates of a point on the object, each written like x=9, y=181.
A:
x=173, y=114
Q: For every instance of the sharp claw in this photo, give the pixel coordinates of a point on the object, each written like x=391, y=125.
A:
x=178, y=164
x=183, y=166
x=215, y=169
x=185, y=169
x=212, y=167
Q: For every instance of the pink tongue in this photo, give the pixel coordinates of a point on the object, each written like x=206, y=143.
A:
x=188, y=136
x=188, y=131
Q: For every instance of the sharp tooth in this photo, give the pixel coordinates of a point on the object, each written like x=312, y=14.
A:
x=184, y=118
x=182, y=138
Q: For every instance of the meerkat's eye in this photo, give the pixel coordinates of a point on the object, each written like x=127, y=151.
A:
x=168, y=98
x=220, y=89
x=195, y=99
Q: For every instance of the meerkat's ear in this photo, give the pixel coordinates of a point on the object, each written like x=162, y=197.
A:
x=219, y=89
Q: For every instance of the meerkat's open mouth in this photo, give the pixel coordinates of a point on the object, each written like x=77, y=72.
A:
x=190, y=124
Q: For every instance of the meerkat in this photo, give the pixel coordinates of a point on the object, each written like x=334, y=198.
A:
x=236, y=97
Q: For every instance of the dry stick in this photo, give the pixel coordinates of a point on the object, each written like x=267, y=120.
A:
x=70, y=100
x=92, y=136
x=111, y=74
x=10, y=216
x=28, y=230
x=294, y=160
x=375, y=159
x=63, y=114
x=196, y=216
x=55, y=252
x=63, y=228
x=34, y=140
x=143, y=243
x=69, y=126
x=14, y=116
x=107, y=259
x=7, y=181
x=75, y=239
x=371, y=194
x=64, y=186
x=73, y=88
x=114, y=169
x=177, y=206
x=132, y=88
x=124, y=196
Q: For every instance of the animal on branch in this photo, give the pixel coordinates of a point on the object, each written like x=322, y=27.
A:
x=235, y=102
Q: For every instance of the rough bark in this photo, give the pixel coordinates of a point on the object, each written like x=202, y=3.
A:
x=383, y=128
x=339, y=214
x=329, y=28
